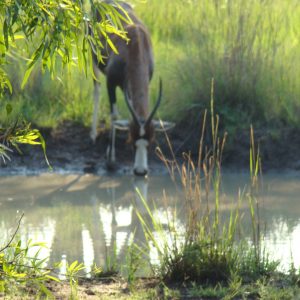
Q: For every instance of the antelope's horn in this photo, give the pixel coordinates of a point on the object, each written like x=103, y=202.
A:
x=133, y=113
x=149, y=119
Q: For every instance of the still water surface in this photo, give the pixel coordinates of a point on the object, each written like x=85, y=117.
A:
x=87, y=218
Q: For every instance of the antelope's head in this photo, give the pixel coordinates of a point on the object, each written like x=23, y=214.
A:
x=141, y=133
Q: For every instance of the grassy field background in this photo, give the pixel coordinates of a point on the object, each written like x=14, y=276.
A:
x=250, y=48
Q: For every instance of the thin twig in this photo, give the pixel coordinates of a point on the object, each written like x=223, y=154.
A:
x=13, y=236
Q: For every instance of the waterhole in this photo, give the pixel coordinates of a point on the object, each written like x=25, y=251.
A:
x=92, y=219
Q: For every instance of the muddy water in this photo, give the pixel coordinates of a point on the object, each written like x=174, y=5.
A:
x=88, y=218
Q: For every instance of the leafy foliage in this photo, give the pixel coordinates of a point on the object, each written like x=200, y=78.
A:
x=250, y=48
x=50, y=30
x=20, y=132
x=57, y=29
x=23, y=270
x=19, y=270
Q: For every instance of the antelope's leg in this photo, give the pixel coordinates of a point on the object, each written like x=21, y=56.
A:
x=113, y=143
x=111, y=88
x=97, y=87
x=111, y=152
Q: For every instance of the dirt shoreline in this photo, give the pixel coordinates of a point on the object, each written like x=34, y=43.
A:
x=70, y=150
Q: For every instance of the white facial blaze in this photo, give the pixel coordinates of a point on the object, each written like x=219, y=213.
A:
x=142, y=130
x=141, y=157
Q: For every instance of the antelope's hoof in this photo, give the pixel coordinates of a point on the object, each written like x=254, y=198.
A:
x=142, y=173
x=93, y=137
x=111, y=166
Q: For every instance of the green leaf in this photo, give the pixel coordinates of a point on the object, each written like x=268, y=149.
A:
x=39, y=244
x=73, y=265
x=26, y=76
x=5, y=33
x=35, y=56
x=8, y=84
x=52, y=278
x=44, y=290
x=9, y=109
x=19, y=275
x=43, y=144
x=108, y=40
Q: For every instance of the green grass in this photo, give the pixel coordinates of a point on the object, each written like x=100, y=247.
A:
x=208, y=258
x=251, y=49
x=211, y=256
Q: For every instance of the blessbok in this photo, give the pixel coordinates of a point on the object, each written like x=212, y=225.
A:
x=131, y=69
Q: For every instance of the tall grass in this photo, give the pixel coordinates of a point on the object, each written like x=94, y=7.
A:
x=251, y=48
x=211, y=248
x=47, y=101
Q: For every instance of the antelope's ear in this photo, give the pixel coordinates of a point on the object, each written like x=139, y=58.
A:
x=160, y=125
x=121, y=125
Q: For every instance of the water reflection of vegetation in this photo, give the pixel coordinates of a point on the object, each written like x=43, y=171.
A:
x=101, y=213
x=103, y=208
x=211, y=251
x=80, y=204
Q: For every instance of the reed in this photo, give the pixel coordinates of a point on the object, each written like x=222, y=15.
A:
x=211, y=248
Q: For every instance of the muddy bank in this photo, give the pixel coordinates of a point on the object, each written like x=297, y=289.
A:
x=70, y=150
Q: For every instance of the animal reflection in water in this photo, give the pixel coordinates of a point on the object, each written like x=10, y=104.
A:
x=130, y=69
x=115, y=225
x=85, y=218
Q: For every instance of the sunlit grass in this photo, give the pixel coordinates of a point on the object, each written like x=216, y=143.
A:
x=211, y=255
x=251, y=49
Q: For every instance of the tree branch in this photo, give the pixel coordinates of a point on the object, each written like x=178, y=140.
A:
x=14, y=234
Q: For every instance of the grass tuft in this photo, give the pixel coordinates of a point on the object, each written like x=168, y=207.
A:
x=211, y=249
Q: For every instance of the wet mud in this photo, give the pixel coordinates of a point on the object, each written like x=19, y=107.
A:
x=70, y=150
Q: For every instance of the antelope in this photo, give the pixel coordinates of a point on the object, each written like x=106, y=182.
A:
x=131, y=69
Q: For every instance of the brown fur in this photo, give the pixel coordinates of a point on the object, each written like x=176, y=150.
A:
x=131, y=69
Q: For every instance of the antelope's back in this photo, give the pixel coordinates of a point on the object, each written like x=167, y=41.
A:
x=125, y=8
x=115, y=63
